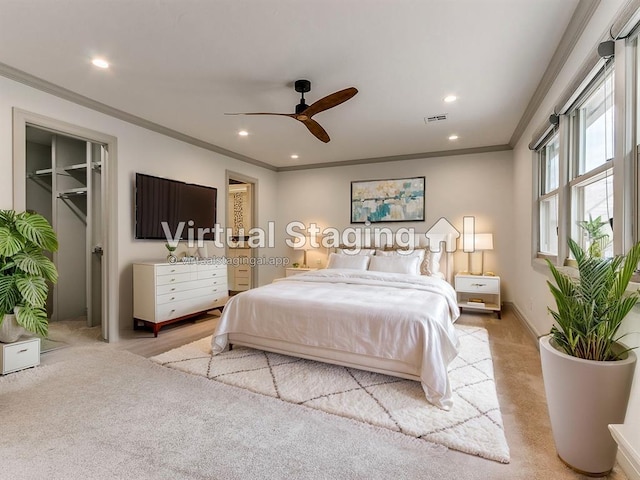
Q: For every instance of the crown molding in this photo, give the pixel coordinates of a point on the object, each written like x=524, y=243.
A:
x=398, y=158
x=61, y=92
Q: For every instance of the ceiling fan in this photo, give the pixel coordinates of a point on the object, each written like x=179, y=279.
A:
x=304, y=112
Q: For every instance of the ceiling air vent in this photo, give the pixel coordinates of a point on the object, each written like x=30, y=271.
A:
x=435, y=118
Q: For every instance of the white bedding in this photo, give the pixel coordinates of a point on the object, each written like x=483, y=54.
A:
x=374, y=314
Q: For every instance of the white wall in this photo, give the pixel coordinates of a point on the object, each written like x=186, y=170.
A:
x=476, y=184
x=530, y=293
x=139, y=150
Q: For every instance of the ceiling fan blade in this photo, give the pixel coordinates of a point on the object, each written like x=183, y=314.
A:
x=330, y=101
x=315, y=128
x=263, y=113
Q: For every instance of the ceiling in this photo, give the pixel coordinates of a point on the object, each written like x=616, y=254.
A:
x=183, y=64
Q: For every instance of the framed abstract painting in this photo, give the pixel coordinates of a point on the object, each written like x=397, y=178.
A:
x=394, y=200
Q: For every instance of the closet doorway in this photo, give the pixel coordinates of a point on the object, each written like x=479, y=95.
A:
x=60, y=172
x=241, y=217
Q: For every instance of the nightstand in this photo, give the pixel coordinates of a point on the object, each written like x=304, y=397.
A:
x=478, y=292
x=19, y=355
x=295, y=271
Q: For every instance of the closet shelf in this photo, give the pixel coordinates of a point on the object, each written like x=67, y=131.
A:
x=41, y=173
x=73, y=192
x=77, y=166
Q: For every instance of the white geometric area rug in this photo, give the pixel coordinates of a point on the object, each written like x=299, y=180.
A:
x=473, y=425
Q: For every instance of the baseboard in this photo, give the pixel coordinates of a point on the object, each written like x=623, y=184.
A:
x=628, y=456
x=523, y=319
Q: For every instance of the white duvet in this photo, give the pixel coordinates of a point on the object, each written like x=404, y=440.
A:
x=385, y=315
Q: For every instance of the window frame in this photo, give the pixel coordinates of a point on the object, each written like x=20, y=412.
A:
x=543, y=195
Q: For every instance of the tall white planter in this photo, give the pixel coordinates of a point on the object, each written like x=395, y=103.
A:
x=584, y=397
x=10, y=331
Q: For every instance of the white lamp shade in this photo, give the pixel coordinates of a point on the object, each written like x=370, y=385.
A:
x=301, y=243
x=484, y=241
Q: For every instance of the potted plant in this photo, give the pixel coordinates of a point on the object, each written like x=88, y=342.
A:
x=24, y=273
x=596, y=238
x=171, y=258
x=587, y=372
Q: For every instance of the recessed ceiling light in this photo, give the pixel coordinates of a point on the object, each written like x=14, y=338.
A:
x=243, y=133
x=100, y=63
x=450, y=98
x=294, y=156
x=453, y=137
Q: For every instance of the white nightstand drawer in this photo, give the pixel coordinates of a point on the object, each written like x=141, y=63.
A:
x=19, y=355
x=479, y=285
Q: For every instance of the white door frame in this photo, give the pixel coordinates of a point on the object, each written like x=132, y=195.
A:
x=110, y=294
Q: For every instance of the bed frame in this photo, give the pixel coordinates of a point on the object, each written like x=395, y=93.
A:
x=392, y=367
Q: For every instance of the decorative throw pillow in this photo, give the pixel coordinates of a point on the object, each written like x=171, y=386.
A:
x=418, y=253
x=396, y=264
x=431, y=266
x=353, y=262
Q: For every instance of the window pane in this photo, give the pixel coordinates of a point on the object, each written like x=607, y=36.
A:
x=549, y=225
x=550, y=162
x=596, y=203
x=596, y=127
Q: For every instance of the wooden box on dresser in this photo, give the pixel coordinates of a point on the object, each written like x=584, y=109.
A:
x=164, y=293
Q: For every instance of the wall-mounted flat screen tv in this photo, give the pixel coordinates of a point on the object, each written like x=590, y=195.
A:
x=162, y=200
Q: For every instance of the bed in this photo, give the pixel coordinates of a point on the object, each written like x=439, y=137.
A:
x=399, y=324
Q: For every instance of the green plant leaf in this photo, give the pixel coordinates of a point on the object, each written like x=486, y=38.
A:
x=33, y=319
x=591, y=308
x=9, y=294
x=37, y=229
x=33, y=290
x=34, y=262
x=11, y=242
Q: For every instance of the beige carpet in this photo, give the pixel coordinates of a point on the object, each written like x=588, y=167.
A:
x=474, y=424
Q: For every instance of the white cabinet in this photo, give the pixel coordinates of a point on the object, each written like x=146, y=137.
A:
x=479, y=292
x=239, y=269
x=164, y=293
x=19, y=355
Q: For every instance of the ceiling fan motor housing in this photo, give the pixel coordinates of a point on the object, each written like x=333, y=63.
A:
x=302, y=86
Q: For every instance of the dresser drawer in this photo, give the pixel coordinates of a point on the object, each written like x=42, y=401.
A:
x=174, y=268
x=477, y=285
x=212, y=273
x=192, y=293
x=190, y=285
x=19, y=355
x=174, y=278
x=172, y=310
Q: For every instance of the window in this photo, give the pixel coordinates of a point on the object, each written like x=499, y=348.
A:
x=575, y=174
x=549, y=170
x=591, y=156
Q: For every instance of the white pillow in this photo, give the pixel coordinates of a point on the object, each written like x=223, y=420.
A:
x=353, y=262
x=396, y=264
x=355, y=251
x=432, y=265
x=418, y=253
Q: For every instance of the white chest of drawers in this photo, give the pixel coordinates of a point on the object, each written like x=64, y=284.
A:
x=19, y=355
x=164, y=293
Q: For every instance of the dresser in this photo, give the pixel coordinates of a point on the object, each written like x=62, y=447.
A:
x=164, y=293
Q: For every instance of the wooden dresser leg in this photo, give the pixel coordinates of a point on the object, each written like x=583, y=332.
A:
x=156, y=329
